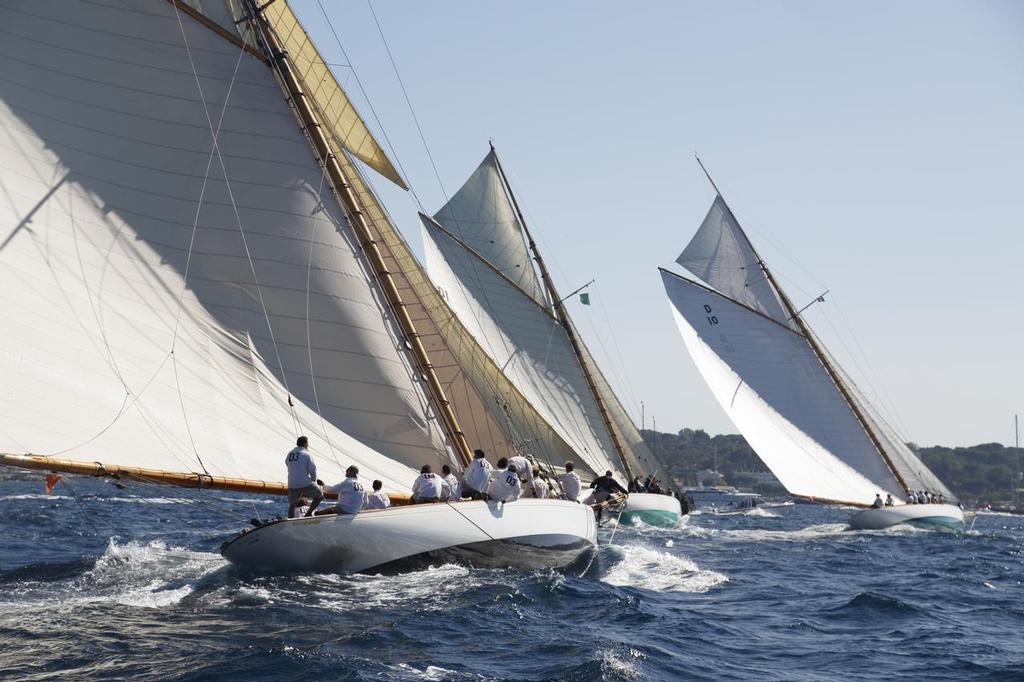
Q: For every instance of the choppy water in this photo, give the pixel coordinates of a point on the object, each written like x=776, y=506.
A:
x=103, y=585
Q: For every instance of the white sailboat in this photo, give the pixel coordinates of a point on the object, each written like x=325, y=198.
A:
x=480, y=254
x=193, y=271
x=799, y=411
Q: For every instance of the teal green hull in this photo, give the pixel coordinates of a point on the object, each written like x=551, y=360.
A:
x=652, y=517
x=938, y=522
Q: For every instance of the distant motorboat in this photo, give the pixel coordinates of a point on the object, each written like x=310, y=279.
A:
x=722, y=497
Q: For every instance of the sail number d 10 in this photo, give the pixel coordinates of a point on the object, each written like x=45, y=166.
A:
x=712, y=319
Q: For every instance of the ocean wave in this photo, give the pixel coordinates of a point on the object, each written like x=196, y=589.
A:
x=652, y=569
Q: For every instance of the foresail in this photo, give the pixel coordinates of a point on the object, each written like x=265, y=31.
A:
x=911, y=469
x=109, y=351
x=525, y=341
x=771, y=384
x=481, y=215
x=720, y=255
x=642, y=460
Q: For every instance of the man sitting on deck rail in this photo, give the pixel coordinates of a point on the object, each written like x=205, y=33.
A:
x=302, y=480
x=429, y=487
x=889, y=502
x=377, y=499
x=505, y=485
x=351, y=494
x=570, y=482
x=877, y=504
x=476, y=477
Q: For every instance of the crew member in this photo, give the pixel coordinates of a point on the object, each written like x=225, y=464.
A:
x=888, y=500
x=429, y=487
x=302, y=480
x=538, y=485
x=570, y=482
x=524, y=468
x=505, y=485
x=351, y=494
x=476, y=477
x=453, y=483
x=604, y=486
x=877, y=504
x=377, y=499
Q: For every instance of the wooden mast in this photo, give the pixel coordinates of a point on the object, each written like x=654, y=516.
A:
x=809, y=336
x=563, y=318
x=279, y=60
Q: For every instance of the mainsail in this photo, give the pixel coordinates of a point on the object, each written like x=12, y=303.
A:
x=799, y=411
x=180, y=289
x=478, y=253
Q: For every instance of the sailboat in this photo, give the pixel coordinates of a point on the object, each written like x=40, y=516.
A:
x=194, y=270
x=801, y=413
x=483, y=259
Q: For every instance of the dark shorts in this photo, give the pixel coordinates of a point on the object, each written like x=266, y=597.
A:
x=312, y=490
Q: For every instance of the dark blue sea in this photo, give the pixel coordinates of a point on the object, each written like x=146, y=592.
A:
x=102, y=583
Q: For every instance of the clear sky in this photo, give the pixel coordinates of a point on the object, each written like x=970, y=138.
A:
x=875, y=149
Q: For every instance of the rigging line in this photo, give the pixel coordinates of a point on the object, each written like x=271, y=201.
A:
x=369, y=103
x=188, y=257
x=471, y=520
x=238, y=219
x=408, y=102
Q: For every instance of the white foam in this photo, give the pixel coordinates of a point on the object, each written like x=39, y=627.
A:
x=652, y=569
x=626, y=666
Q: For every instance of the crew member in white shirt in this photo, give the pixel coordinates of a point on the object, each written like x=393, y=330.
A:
x=524, y=467
x=351, y=494
x=429, y=487
x=477, y=476
x=453, y=483
x=570, y=482
x=539, y=485
x=505, y=485
x=377, y=499
x=302, y=480
x=877, y=504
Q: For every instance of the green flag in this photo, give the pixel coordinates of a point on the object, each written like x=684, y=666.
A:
x=585, y=298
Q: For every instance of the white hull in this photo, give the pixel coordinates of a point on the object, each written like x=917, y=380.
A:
x=528, y=533
x=943, y=515
x=652, y=509
x=722, y=499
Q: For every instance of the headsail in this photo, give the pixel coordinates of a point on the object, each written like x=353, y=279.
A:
x=800, y=412
x=108, y=169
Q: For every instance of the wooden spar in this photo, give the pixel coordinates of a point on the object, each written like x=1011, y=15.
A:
x=825, y=500
x=563, y=317
x=343, y=190
x=176, y=478
x=807, y=334
x=217, y=28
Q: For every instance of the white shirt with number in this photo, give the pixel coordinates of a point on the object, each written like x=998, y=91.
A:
x=504, y=486
x=478, y=475
x=377, y=500
x=455, y=486
x=351, y=495
x=431, y=485
x=301, y=470
x=570, y=481
x=524, y=467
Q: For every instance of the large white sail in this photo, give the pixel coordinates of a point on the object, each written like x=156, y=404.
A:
x=769, y=382
x=112, y=189
x=524, y=339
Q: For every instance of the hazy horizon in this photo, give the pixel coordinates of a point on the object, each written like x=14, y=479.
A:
x=873, y=150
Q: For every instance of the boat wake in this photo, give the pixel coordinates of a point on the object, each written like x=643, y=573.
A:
x=652, y=569
x=147, y=575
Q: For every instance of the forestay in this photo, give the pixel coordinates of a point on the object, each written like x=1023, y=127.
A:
x=771, y=384
x=109, y=351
